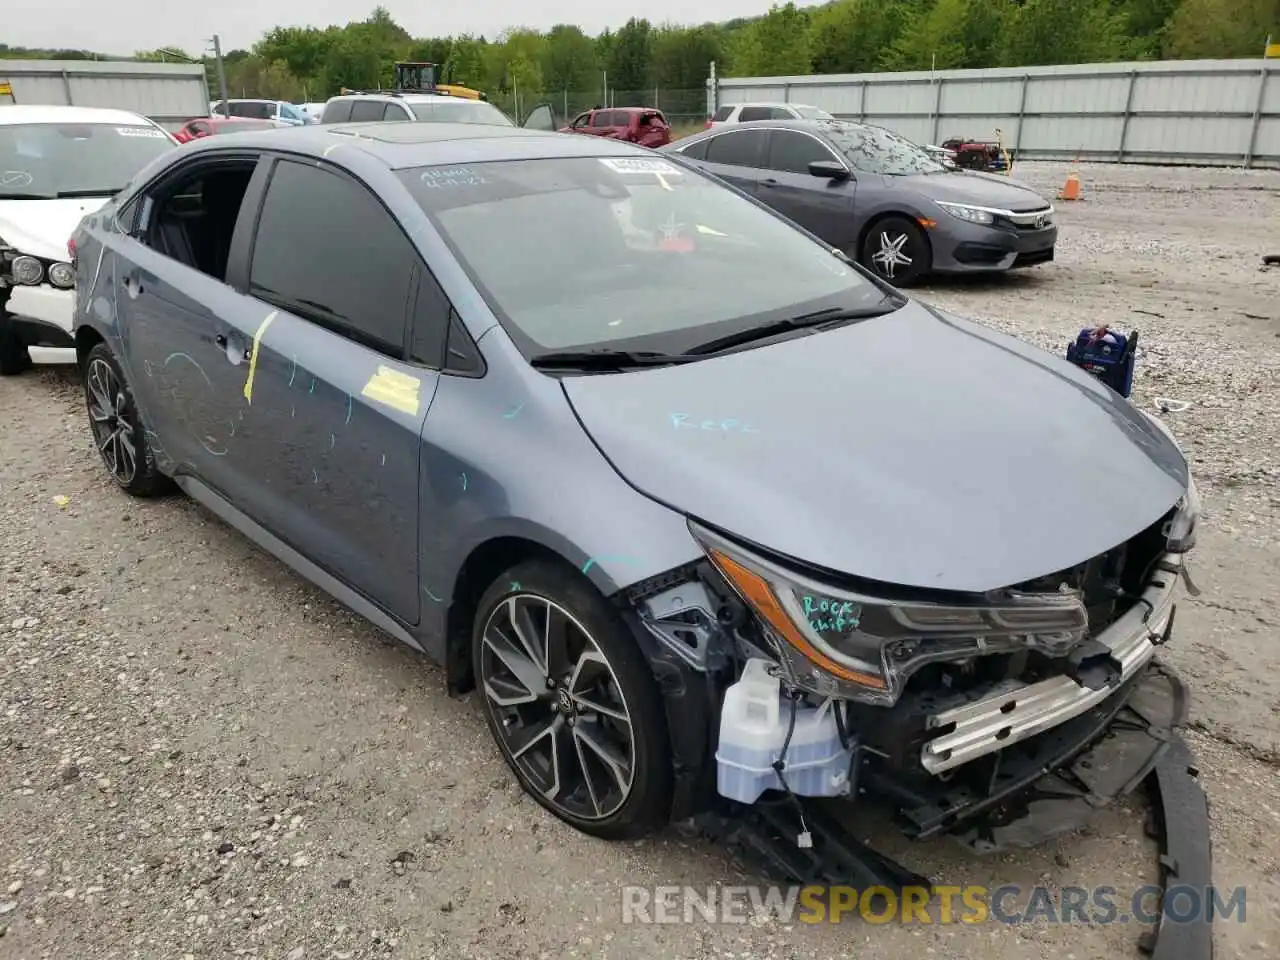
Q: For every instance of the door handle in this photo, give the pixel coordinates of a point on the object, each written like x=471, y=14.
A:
x=133, y=284
x=234, y=347
x=769, y=183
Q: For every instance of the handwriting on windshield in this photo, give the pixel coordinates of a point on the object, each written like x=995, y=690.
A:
x=831, y=616
x=683, y=421
x=440, y=177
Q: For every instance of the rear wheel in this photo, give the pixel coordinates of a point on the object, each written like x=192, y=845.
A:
x=117, y=426
x=571, y=702
x=897, y=250
x=14, y=357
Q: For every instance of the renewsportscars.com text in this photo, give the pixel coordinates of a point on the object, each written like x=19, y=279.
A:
x=1012, y=904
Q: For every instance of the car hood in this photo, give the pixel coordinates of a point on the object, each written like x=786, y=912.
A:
x=42, y=228
x=914, y=449
x=980, y=189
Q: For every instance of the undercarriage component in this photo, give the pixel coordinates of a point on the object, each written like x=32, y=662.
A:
x=764, y=835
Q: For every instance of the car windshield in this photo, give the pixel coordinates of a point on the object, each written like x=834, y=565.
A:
x=627, y=252
x=876, y=150
x=47, y=160
x=464, y=111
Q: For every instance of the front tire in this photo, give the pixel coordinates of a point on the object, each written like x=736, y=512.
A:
x=117, y=426
x=897, y=251
x=14, y=357
x=571, y=702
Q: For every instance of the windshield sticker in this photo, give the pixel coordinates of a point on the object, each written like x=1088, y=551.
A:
x=15, y=178
x=441, y=177
x=140, y=132
x=709, y=231
x=640, y=165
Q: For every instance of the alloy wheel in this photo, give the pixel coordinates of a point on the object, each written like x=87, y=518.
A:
x=113, y=432
x=893, y=252
x=560, y=712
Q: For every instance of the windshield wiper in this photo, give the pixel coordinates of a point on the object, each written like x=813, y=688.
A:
x=26, y=196
x=604, y=359
x=96, y=192
x=821, y=319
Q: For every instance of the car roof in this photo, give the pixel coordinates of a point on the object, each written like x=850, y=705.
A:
x=405, y=97
x=418, y=144
x=812, y=126
x=774, y=103
x=53, y=113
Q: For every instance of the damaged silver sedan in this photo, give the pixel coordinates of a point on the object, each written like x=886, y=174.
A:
x=762, y=549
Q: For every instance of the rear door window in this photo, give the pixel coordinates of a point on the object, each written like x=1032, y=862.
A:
x=363, y=111
x=722, y=114
x=395, y=111
x=367, y=299
x=755, y=113
x=741, y=148
x=791, y=152
x=621, y=118
x=697, y=151
x=253, y=108
x=337, y=111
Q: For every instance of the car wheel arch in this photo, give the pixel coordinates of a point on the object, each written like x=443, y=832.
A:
x=86, y=339
x=878, y=218
x=486, y=561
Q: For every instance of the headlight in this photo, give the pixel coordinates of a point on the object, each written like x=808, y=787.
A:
x=26, y=269
x=962, y=212
x=837, y=642
x=62, y=275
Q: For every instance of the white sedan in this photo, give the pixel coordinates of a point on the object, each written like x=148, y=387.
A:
x=57, y=164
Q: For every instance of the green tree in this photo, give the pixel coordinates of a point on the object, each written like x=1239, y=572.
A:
x=302, y=49
x=681, y=57
x=631, y=56
x=1064, y=31
x=569, y=60
x=950, y=35
x=854, y=36
x=1222, y=28
x=777, y=44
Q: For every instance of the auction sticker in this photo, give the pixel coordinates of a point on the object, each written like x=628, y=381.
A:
x=140, y=132
x=639, y=165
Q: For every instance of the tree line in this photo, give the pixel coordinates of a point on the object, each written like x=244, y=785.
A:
x=844, y=36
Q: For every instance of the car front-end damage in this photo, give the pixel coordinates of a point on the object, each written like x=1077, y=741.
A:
x=999, y=719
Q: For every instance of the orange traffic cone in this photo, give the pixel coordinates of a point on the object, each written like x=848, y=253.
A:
x=1071, y=189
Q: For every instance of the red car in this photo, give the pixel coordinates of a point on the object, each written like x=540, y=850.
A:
x=643, y=125
x=201, y=127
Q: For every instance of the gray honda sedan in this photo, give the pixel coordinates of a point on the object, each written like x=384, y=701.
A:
x=889, y=204
x=705, y=513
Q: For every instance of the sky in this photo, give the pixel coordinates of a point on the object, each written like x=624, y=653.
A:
x=125, y=26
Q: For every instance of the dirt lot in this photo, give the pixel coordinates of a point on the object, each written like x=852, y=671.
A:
x=201, y=756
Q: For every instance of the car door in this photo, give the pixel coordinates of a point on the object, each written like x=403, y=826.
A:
x=173, y=298
x=542, y=117
x=822, y=205
x=736, y=156
x=334, y=401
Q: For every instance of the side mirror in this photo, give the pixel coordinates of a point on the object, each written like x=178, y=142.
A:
x=829, y=169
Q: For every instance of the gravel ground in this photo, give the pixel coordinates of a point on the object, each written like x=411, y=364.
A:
x=203, y=757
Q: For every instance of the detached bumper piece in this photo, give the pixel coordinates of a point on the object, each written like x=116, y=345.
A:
x=1036, y=790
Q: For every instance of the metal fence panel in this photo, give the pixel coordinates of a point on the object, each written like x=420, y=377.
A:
x=166, y=92
x=1219, y=112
